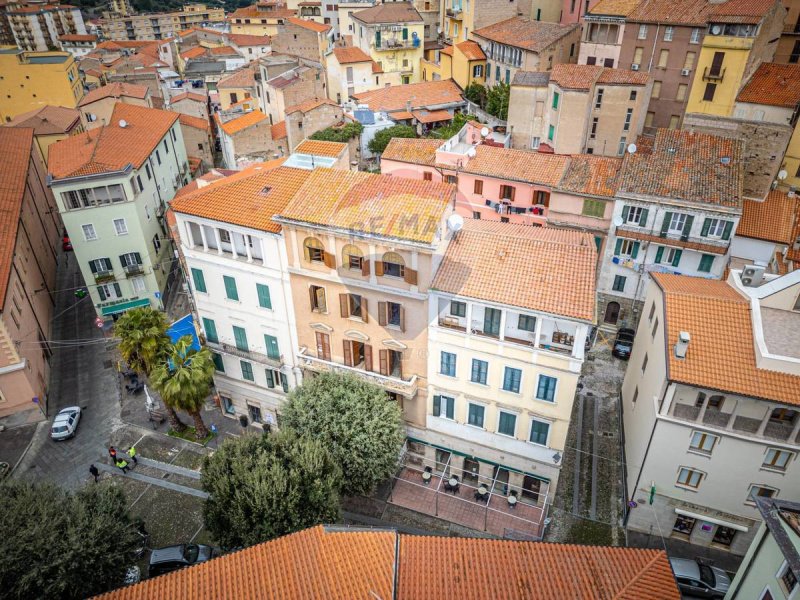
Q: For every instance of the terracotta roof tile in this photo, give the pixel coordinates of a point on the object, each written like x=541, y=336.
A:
x=376, y=68
x=17, y=145
x=677, y=12
x=111, y=147
x=48, y=120
x=773, y=84
x=488, y=260
x=320, y=148
x=250, y=12
x=382, y=205
x=389, y=12
x=306, y=24
x=189, y=96
x=583, y=77
x=772, y=220
x=242, y=39
x=401, y=115
x=687, y=166
x=518, y=165
x=77, y=37
x=243, y=78
x=417, y=152
x=234, y=126
x=622, y=77
x=195, y=52
x=619, y=8
x=448, y=50
x=352, y=54
x=426, y=94
x=278, y=130
x=741, y=11
x=721, y=352
x=525, y=33
x=222, y=51
x=309, y=105
x=531, y=78
x=471, y=50
x=115, y=90
x=434, y=116
x=591, y=175
x=195, y=122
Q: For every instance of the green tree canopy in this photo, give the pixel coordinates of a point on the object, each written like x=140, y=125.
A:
x=378, y=143
x=497, y=100
x=452, y=128
x=356, y=420
x=56, y=544
x=265, y=486
x=339, y=134
x=143, y=338
x=476, y=93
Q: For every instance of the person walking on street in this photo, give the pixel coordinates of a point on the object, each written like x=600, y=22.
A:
x=95, y=473
x=112, y=452
x=123, y=464
x=132, y=454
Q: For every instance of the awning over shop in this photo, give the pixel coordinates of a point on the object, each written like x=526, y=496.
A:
x=707, y=519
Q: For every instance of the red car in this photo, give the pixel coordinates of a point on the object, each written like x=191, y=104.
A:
x=66, y=244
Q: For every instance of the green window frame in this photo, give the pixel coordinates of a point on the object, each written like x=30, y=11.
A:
x=230, y=288
x=199, y=281
x=476, y=414
x=448, y=364
x=511, y=380
x=458, y=309
x=507, y=423
x=491, y=321
x=240, y=335
x=264, y=300
x=444, y=406
x=247, y=370
x=619, y=283
x=271, y=342
x=706, y=262
x=218, y=364
x=211, y=330
x=556, y=97
x=480, y=369
x=526, y=323
x=593, y=208
x=546, y=389
x=551, y=132
x=539, y=432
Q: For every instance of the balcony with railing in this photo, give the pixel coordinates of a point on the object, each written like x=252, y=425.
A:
x=104, y=276
x=133, y=270
x=248, y=354
x=223, y=242
x=392, y=44
x=455, y=12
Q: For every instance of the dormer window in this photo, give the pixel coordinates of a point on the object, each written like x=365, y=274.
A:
x=314, y=250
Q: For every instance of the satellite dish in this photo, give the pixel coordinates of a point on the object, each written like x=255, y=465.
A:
x=618, y=221
x=782, y=174
x=123, y=123
x=632, y=148
x=455, y=222
x=484, y=131
x=716, y=30
x=471, y=152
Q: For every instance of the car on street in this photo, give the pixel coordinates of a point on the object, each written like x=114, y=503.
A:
x=172, y=558
x=66, y=423
x=698, y=580
x=623, y=343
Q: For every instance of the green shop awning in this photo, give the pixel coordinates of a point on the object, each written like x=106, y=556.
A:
x=123, y=306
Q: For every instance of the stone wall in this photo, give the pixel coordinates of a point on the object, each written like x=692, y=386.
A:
x=301, y=125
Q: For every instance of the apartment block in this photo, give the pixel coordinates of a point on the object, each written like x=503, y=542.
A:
x=36, y=79
x=520, y=43
x=158, y=26
x=665, y=221
x=239, y=85
x=307, y=39
x=504, y=359
x=583, y=109
x=236, y=263
x=38, y=26
x=262, y=18
x=112, y=185
x=789, y=45
x=29, y=253
x=77, y=44
x=709, y=403
x=362, y=257
x=601, y=40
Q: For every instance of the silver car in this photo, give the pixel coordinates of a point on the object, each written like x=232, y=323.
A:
x=700, y=581
x=65, y=423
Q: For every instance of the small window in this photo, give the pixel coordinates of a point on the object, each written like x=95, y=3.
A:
x=393, y=265
x=427, y=176
x=642, y=32
x=314, y=250
x=703, y=442
x=598, y=101
x=120, y=227
x=511, y=380
x=652, y=311
x=760, y=491
x=247, y=371
x=352, y=257
x=716, y=402
x=632, y=96
x=527, y=323
x=556, y=97
x=444, y=407
x=475, y=415
x=480, y=369
x=684, y=525
x=655, y=329
x=540, y=432
x=669, y=31
x=507, y=424
x=619, y=283
x=776, y=459
x=689, y=477
x=706, y=262
x=788, y=579
x=448, y=364
x=644, y=363
x=478, y=186
x=89, y=233
x=783, y=415
x=546, y=389
x=318, y=300
x=458, y=309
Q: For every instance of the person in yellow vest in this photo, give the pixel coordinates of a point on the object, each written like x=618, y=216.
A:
x=122, y=464
x=132, y=454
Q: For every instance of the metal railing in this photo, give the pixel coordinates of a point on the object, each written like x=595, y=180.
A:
x=246, y=354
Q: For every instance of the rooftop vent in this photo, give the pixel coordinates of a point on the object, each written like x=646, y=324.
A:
x=752, y=275
x=683, y=344
x=725, y=160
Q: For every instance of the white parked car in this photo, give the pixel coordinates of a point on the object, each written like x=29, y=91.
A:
x=65, y=423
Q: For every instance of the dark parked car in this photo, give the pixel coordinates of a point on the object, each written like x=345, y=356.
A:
x=699, y=581
x=172, y=558
x=623, y=343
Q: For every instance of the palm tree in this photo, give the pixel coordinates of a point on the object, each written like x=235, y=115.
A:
x=143, y=338
x=184, y=380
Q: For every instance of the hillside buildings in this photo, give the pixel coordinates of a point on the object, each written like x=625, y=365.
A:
x=127, y=25
x=39, y=26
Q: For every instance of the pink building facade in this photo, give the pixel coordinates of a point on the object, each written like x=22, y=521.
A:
x=572, y=11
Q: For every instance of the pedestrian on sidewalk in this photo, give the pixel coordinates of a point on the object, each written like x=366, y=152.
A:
x=95, y=473
x=132, y=454
x=112, y=452
x=123, y=464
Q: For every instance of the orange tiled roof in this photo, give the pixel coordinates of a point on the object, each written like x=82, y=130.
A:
x=352, y=54
x=194, y=52
x=223, y=51
x=617, y=8
x=320, y=148
x=382, y=205
x=773, y=84
x=591, y=175
x=111, y=147
x=278, y=130
x=772, y=220
x=189, y=96
x=243, y=39
x=250, y=12
x=77, y=37
x=306, y=24
x=243, y=78
x=518, y=165
x=741, y=11
x=115, y=90
x=421, y=95
x=431, y=116
x=522, y=32
x=487, y=261
x=676, y=12
x=48, y=120
x=687, y=166
x=195, y=122
x=622, y=77
x=471, y=50
x=583, y=77
x=308, y=105
x=17, y=143
x=240, y=199
x=448, y=50
x=721, y=352
x=417, y=152
x=234, y=126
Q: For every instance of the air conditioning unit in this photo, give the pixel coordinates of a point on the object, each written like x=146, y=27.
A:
x=752, y=275
x=635, y=67
x=685, y=72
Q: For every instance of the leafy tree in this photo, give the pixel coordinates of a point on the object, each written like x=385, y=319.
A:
x=339, y=134
x=356, y=420
x=452, y=128
x=265, y=486
x=497, y=100
x=476, y=93
x=378, y=143
x=143, y=338
x=56, y=544
x=184, y=381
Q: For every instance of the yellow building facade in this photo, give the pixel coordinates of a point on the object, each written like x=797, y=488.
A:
x=34, y=79
x=465, y=63
x=719, y=74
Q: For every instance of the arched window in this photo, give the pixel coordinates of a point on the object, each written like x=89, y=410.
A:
x=352, y=257
x=314, y=250
x=393, y=265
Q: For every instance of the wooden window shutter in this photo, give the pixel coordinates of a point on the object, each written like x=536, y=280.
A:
x=367, y=357
x=382, y=313
x=329, y=260
x=513, y=192
x=384, y=361
x=478, y=189
x=320, y=345
x=344, y=305
x=101, y=292
x=437, y=405
x=306, y=253
x=312, y=297
x=326, y=346
x=348, y=352
x=364, y=267
x=379, y=267
x=364, y=311
x=410, y=276
x=322, y=301
x=402, y=319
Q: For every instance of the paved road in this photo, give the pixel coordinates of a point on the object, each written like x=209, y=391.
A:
x=83, y=374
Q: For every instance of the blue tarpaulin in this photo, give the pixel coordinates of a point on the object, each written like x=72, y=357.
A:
x=182, y=327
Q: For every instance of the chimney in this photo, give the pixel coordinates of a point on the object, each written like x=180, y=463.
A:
x=683, y=344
